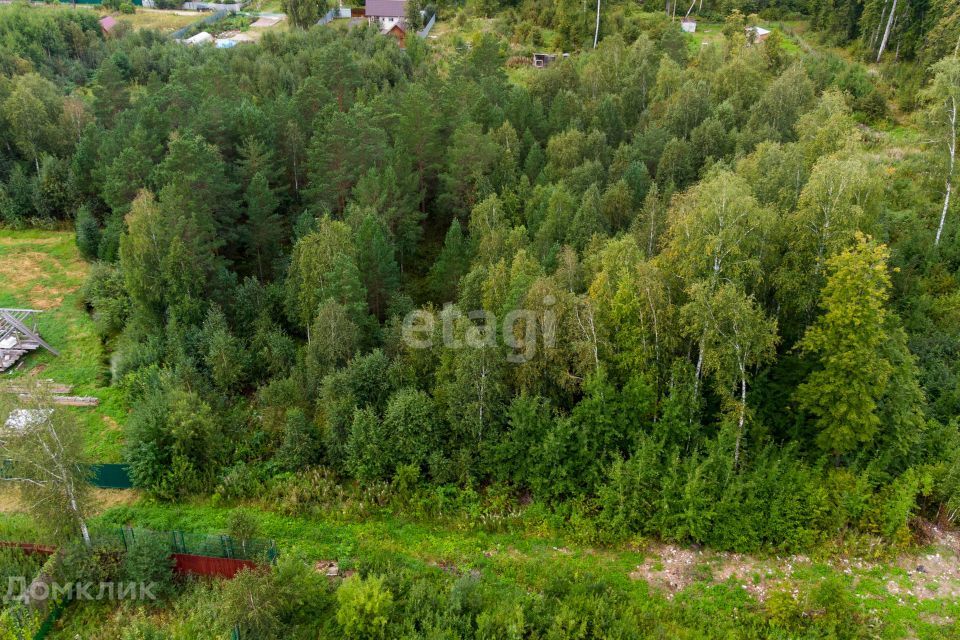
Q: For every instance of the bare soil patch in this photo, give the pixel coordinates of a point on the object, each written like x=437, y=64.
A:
x=18, y=270
x=670, y=568
x=103, y=499
x=12, y=242
x=928, y=575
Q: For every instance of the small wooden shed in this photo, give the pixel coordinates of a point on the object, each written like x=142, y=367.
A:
x=398, y=32
x=108, y=24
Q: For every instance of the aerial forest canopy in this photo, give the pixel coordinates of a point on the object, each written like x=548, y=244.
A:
x=690, y=292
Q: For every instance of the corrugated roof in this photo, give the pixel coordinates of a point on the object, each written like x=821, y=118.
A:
x=107, y=23
x=386, y=8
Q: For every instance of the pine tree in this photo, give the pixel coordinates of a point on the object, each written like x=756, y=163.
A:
x=451, y=265
x=88, y=233
x=264, y=230
x=379, y=272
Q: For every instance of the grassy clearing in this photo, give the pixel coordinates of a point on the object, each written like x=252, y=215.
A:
x=265, y=6
x=910, y=603
x=712, y=33
x=706, y=33
x=163, y=21
x=43, y=270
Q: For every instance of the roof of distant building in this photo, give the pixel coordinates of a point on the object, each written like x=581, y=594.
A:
x=107, y=23
x=386, y=8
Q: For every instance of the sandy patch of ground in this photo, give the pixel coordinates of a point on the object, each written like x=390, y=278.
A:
x=934, y=574
x=931, y=575
x=20, y=269
x=670, y=568
x=109, y=498
x=12, y=242
x=9, y=500
x=44, y=298
x=103, y=499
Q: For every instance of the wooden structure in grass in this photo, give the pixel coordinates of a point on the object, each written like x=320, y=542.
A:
x=18, y=336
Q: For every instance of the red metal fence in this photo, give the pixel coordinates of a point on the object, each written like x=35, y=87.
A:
x=209, y=566
x=184, y=563
x=29, y=548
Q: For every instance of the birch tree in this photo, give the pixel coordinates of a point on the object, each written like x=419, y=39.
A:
x=886, y=32
x=841, y=197
x=717, y=231
x=718, y=234
x=596, y=33
x=735, y=337
x=943, y=96
x=44, y=448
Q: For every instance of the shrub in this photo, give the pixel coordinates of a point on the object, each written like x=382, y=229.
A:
x=241, y=481
x=253, y=586
x=364, y=607
x=367, y=441
x=242, y=527
x=104, y=292
x=307, y=490
x=143, y=630
x=109, y=249
x=149, y=561
x=410, y=420
x=16, y=203
x=79, y=563
x=301, y=445
x=88, y=233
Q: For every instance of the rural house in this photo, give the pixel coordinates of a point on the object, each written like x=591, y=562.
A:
x=757, y=34
x=386, y=13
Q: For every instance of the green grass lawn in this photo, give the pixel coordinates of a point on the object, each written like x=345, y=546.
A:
x=43, y=270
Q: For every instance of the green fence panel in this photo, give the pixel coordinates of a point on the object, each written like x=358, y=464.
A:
x=51, y=619
x=111, y=476
x=104, y=476
x=197, y=544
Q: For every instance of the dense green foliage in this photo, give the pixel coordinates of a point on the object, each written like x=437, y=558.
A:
x=721, y=315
